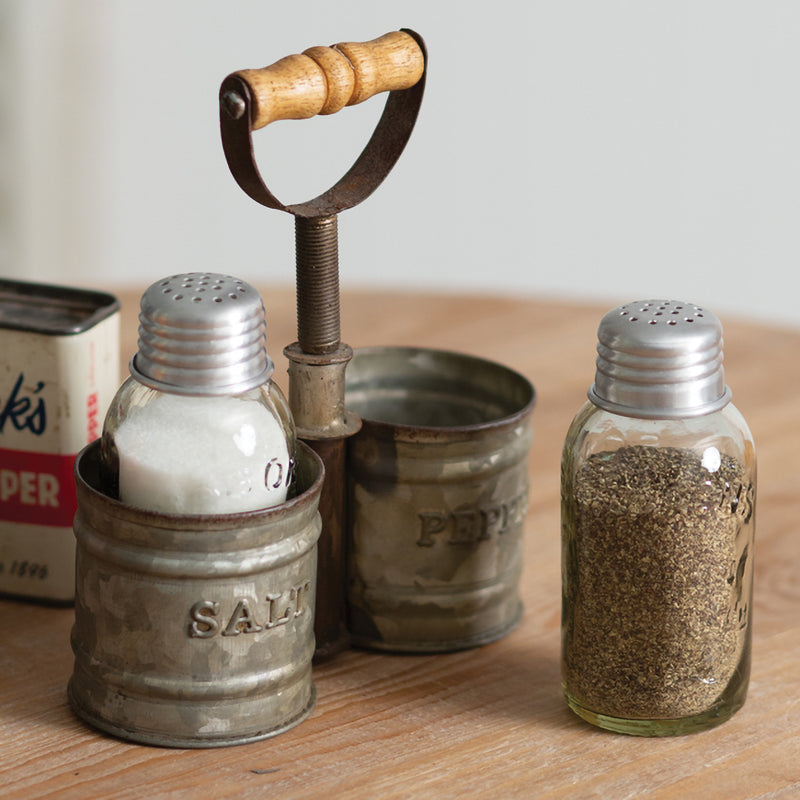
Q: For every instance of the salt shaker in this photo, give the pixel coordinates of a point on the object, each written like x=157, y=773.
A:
x=199, y=427
x=658, y=517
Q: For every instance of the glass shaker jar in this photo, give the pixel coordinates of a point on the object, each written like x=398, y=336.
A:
x=199, y=427
x=658, y=513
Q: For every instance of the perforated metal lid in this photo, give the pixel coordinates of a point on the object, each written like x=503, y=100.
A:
x=203, y=334
x=659, y=358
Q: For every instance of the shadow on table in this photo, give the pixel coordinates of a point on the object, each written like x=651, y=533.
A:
x=512, y=679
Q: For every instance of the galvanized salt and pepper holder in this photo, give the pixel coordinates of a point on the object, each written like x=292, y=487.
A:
x=436, y=594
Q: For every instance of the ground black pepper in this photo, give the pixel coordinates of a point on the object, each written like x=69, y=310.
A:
x=655, y=622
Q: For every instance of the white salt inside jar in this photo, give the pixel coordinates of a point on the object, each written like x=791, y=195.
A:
x=202, y=455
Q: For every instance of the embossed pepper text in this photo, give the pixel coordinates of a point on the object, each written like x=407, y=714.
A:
x=466, y=526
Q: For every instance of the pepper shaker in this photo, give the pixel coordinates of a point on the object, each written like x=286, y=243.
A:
x=658, y=517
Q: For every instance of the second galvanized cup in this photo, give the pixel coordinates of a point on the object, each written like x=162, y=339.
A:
x=194, y=631
x=438, y=481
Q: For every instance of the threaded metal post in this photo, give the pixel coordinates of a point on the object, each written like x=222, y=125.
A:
x=317, y=260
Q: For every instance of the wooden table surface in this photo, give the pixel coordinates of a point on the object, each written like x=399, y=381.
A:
x=488, y=722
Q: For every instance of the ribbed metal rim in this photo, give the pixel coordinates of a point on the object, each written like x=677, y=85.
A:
x=202, y=333
x=659, y=359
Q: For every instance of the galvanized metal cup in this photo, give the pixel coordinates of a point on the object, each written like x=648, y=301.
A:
x=438, y=480
x=194, y=631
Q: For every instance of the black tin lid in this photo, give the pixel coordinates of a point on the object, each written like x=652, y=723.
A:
x=52, y=310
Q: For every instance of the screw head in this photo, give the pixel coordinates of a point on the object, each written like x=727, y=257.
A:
x=233, y=104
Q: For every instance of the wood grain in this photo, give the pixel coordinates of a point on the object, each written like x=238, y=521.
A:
x=485, y=722
x=323, y=80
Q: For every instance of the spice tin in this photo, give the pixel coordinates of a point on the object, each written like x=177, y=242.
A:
x=194, y=631
x=59, y=369
x=438, y=480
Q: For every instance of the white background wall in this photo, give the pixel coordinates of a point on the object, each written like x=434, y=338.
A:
x=604, y=150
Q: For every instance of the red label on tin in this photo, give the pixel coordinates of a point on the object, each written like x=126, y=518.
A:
x=37, y=488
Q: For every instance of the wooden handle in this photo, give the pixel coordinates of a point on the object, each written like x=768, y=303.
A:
x=323, y=80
